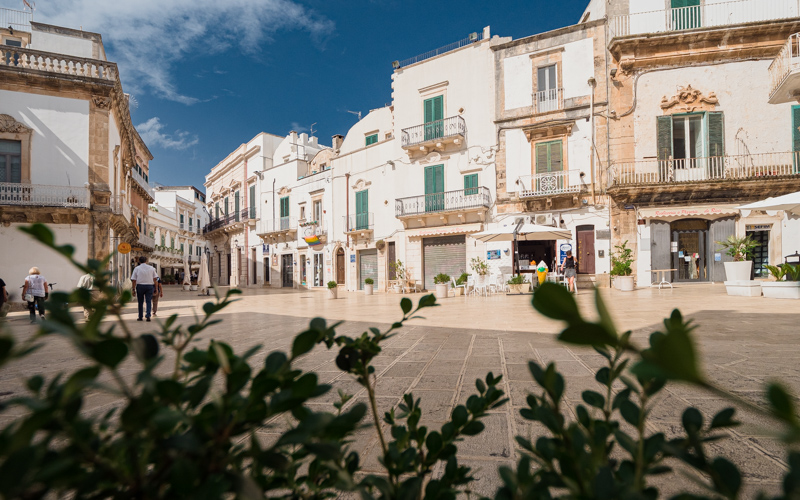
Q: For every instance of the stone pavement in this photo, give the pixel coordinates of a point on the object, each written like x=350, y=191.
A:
x=744, y=342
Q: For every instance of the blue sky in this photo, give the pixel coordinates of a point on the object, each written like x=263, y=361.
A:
x=209, y=75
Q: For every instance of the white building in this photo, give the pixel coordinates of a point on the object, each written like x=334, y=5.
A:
x=177, y=219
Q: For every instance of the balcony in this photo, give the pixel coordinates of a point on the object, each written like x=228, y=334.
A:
x=19, y=20
x=228, y=220
x=550, y=183
x=719, y=178
x=784, y=73
x=359, y=224
x=143, y=184
x=56, y=64
x=313, y=232
x=449, y=130
x=549, y=100
x=451, y=207
x=709, y=15
x=147, y=242
x=41, y=195
x=283, y=227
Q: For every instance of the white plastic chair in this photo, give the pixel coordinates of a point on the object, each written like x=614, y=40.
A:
x=491, y=285
x=454, y=286
x=480, y=285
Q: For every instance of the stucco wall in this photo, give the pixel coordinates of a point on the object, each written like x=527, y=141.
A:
x=60, y=44
x=60, y=143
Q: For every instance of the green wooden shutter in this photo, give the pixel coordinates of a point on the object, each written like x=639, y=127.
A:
x=471, y=184
x=434, y=187
x=716, y=134
x=172, y=242
x=227, y=205
x=285, y=206
x=796, y=128
x=542, y=158
x=236, y=206
x=438, y=108
x=428, y=108
x=362, y=209
x=216, y=208
x=664, y=141
x=253, y=201
x=371, y=139
x=556, y=156
x=162, y=240
x=190, y=249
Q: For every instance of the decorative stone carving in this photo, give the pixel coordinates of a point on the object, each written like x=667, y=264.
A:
x=101, y=102
x=688, y=100
x=626, y=65
x=433, y=157
x=483, y=157
x=361, y=185
x=284, y=191
x=11, y=126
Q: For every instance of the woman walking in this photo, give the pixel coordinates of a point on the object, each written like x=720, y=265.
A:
x=34, y=292
x=569, y=265
x=158, y=292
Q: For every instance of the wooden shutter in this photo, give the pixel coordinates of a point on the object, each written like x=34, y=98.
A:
x=285, y=206
x=542, y=158
x=795, y=125
x=664, y=140
x=471, y=184
x=429, y=183
x=556, y=157
x=716, y=134
x=216, y=208
x=236, y=202
x=428, y=108
x=438, y=108
x=362, y=202
x=227, y=207
x=253, y=201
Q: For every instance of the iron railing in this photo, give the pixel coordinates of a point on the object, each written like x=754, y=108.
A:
x=117, y=204
x=550, y=183
x=359, y=221
x=143, y=183
x=708, y=15
x=225, y=220
x=16, y=19
x=276, y=225
x=715, y=168
x=787, y=61
x=41, y=195
x=474, y=37
x=433, y=131
x=147, y=241
x=461, y=199
x=548, y=100
x=49, y=62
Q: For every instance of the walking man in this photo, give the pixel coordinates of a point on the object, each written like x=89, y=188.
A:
x=86, y=282
x=143, y=282
x=34, y=292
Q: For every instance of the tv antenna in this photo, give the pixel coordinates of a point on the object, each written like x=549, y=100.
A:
x=311, y=129
x=357, y=113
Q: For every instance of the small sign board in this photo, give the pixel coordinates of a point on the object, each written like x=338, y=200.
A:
x=353, y=258
x=758, y=227
x=124, y=248
x=562, y=251
x=717, y=257
x=492, y=254
x=603, y=234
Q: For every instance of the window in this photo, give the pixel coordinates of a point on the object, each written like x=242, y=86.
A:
x=685, y=14
x=190, y=223
x=198, y=223
x=546, y=89
x=253, y=201
x=10, y=161
x=471, y=184
x=12, y=43
x=162, y=240
x=181, y=221
x=372, y=139
x=227, y=207
x=686, y=138
x=433, y=110
x=285, y=212
x=434, y=188
x=181, y=248
x=216, y=209
x=236, y=206
x=318, y=211
x=362, y=209
x=172, y=242
x=303, y=212
x=549, y=157
x=190, y=249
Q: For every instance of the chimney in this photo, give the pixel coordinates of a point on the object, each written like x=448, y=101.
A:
x=293, y=137
x=336, y=142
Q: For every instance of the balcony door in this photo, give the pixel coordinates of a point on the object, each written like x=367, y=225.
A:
x=434, y=188
x=362, y=209
x=685, y=14
x=434, y=117
x=691, y=147
x=284, y=213
x=549, y=167
x=547, y=89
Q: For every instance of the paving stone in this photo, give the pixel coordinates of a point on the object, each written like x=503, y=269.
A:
x=401, y=369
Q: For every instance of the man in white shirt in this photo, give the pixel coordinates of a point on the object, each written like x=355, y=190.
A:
x=143, y=280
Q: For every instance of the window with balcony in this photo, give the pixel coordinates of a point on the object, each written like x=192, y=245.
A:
x=216, y=210
x=190, y=249
x=284, y=212
x=181, y=248
x=253, y=201
x=471, y=184
x=227, y=207
x=547, y=89
x=10, y=161
x=172, y=242
x=318, y=211
x=371, y=139
x=433, y=110
x=181, y=221
x=236, y=206
x=549, y=157
x=690, y=140
x=434, y=188
x=362, y=209
x=685, y=14
x=163, y=243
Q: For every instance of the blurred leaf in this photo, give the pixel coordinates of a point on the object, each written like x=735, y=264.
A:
x=109, y=352
x=724, y=419
x=555, y=302
x=593, y=398
x=781, y=403
x=304, y=342
x=146, y=346
x=586, y=334
x=406, y=305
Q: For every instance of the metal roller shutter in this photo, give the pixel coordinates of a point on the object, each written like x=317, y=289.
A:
x=447, y=254
x=719, y=230
x=368, y=267
x=660, y=251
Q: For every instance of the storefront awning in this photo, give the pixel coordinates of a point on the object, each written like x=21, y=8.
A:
x=708, y=212
x=425, y=232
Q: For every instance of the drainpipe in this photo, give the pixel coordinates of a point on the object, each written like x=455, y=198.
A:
x=593, y=84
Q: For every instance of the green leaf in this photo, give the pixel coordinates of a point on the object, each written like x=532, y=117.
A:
x=671, y=355
x=460, y=415
x=593, y=398
x=692, y=420
x=304, y=342
x=630, y=412
x=586, y=334
x=781, y=403
x=473, y=428
x=724, y=419
x=35, y=383
x=406, y=305
x=434, y=442
x=555, y=302
x=146, y=347
x=109, y=352
x=729, y=475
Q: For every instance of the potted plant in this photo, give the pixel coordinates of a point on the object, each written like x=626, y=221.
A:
x=333, y=289
x=369, y=283
x=481, y=270
x=621, y=267
x=519, y=285
x=399, y=273
x=380, y=245
x=741, y=249
x=780, y=289
x=462, y=280
x=442, y=282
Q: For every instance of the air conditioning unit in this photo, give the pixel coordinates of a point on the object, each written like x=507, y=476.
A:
x=543, y=219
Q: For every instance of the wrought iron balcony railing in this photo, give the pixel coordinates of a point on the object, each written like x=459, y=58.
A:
x=281, y=224
x=41, y=195
x=548, y=100
x=461, y=199
x=143, y=183
x=455, y=126
x=708, y=15
x=474, y=37
x=550, y=183
x=363, y=221
x=761, y=166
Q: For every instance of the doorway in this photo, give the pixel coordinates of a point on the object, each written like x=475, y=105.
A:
x=230, y=269
x=761, y=252
x=303, y=270
x=691, y=237
x=255, y=267
x=317, y=261
x=391, y=258
x=340, y=266
x=266, y=270
x=585, y=249
x=368, y=267
x=287, y=271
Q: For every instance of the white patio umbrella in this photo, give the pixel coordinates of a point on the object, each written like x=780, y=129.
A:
x=788, y=203
x=203, y=279
x=187, y=274
x=528, y=232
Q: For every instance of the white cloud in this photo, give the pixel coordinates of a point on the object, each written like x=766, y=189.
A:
x=148, y=37
x=152, y=135
x=299, y=128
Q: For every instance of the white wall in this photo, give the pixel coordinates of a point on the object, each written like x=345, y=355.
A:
x=518, y=158
x=379, y=120
x=61, y=44
x=518, y=81
x=578, y=67
x=21, y=252
x=60, y=143
x=751, y=126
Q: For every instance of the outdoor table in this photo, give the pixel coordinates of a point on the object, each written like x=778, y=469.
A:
x=661, y=277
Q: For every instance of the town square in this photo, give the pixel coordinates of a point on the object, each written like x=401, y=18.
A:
x=547, y=258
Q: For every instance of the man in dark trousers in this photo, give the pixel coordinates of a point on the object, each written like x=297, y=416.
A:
x=144, y=279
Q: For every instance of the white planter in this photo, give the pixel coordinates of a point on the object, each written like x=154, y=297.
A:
x=624, y=283
x=781, y=289
x=745, y=288
x=519, y=289
x=738, y=271
x=187, y=287
x=333, y=292
x=194, y=288
x=458, y=291
x=368, y=289
x=398, y=288
x=442, y=290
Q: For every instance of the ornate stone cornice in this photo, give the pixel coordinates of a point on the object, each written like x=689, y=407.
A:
x=688, y=100
x=11, y=126
x=101, y=102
